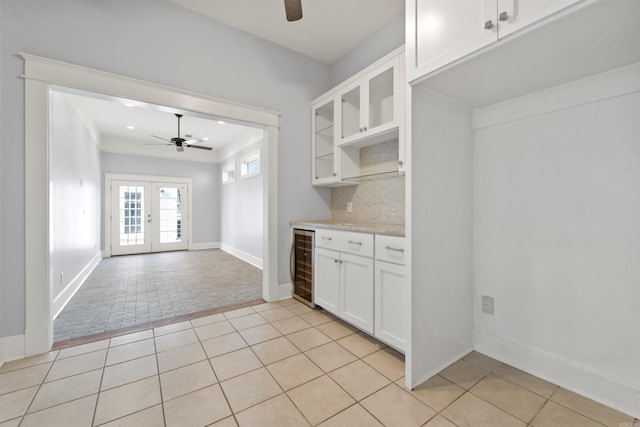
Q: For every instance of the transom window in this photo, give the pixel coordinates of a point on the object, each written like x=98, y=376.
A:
x=250, y=165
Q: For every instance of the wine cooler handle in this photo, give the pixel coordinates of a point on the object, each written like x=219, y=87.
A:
x=293, y=245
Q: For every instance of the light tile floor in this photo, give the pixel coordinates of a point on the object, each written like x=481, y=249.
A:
x=275, y=364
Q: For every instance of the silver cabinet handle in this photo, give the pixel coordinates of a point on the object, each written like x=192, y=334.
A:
x=488, y=25
x=364, y=129
x=389, y=248
x=335, y=261
x=361, y=130
x=400, y=162
x=341, y=261
x=351, y=242
x=503, y=16
x=326, y=238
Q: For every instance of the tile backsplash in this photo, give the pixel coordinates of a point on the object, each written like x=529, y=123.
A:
x=378, y=200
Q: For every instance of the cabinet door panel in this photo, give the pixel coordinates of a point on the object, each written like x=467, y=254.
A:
x=351, y=113
x=391, y=300
x=520, y=13
x=326, y=285
x=357, y=291
x=450, y=29
x=323, y=143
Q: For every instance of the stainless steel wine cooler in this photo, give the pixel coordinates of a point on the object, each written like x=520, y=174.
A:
x=301, y=265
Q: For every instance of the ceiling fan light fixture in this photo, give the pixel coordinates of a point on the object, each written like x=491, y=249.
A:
x=293, y=9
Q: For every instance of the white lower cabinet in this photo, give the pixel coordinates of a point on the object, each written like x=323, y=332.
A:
x=371, y=295
x=356, y=282
x=343, y=282
x=391, y=296
x=327, y=280
x=391, y=291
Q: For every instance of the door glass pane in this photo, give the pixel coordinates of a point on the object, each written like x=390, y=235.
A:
x=170, y=214
x=381, y=99
x=131, y=209
x=351, y=113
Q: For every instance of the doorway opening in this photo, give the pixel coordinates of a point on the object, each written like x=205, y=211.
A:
x=145, y=214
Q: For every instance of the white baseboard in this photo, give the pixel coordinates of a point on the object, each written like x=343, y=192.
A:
x=60, y=301
x=285, y=291
x=603, y=388
x=11, y=348
x=204, y=246
x=255, y=261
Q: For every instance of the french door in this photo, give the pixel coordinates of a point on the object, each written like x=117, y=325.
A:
x=148, y=217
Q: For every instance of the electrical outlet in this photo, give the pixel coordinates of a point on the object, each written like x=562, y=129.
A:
x=487, y=304
x=349, y=207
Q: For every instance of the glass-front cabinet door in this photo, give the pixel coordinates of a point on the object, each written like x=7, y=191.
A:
x=373, y=105
x=323, y=142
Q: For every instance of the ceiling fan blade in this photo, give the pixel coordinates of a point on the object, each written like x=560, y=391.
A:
x=293, y=9
x=159, y=137
x=202, y=147
x=192, y=140
x=154, y=143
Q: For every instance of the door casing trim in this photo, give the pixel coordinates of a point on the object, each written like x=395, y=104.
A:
x=40, y=76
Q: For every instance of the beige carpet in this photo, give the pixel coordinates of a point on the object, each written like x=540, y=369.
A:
x=133, y=290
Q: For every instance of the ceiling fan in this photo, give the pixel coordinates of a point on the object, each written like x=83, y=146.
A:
x=180, y=143
x=293, y=9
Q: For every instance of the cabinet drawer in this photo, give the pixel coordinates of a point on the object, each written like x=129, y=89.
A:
x=329, y=239
x=391, y=249
x=357, y=243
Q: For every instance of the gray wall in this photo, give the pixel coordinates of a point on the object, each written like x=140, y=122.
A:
x=205, y=218
x=241, y=207
x=375, y=47
x=133, y=38
x=75, y=193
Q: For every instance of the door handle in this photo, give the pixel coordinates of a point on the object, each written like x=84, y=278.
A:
x=503, y=16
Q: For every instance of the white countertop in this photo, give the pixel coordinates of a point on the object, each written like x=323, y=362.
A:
x=376, y=228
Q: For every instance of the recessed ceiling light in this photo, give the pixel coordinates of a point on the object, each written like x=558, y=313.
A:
x=205, y=139
x=220, y=122
x=130, y=127
x=128, y=105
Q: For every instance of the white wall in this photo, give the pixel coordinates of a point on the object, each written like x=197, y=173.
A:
x=75, y=202
x=193, y=53
x=205, y=218
x=241, y=204
x=557, y=235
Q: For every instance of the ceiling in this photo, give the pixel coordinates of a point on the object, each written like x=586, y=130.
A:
x=328, y=30
x=110, y=117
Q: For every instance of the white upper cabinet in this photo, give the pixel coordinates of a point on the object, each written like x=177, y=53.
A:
x=373, y=105
x=448, y=29
x=324, y=162
x=442, y=31
x=516, y=14
x=366, y=109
